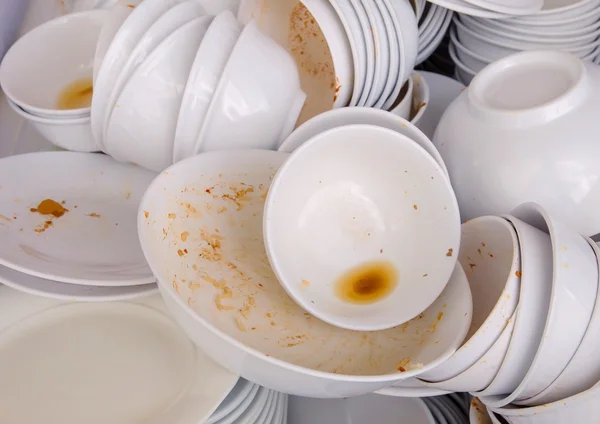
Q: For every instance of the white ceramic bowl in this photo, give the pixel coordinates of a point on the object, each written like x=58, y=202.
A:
x=534, y=302
x=581, y=374
x=478, y=413
x=142, y=125
x=259, y=331
x=70, y=134
x=587, y=23
x=42, y=63
x=359, y=116
x=463, y=72
x=557, y=10
x=489, y=254
x=581, y=408
x=420, y=98
x=470, y=59
x=430, y=45
x=336, y=241
x=210, y=61
x=163, y=27
x=403, y=104
x=257, y=102
x=508, y=116
x=389, y=32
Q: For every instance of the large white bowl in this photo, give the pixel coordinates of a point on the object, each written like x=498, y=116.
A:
x=321, y=225
x=47, y=59
x=142, y=125
x=507, y=139
x=258, y=99
x=210, y=61
x=219, y=286
x=489, y=254
x=581, y=374
x=359, y=116
x=71, y=134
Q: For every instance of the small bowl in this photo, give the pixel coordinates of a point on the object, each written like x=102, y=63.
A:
x=142, y=125
x=359, y=116
x=259, y=332
x=534, y=302
x=46, y=60
x=420, y=98
x=581, y=374
x=478, y=413
x=344, y=223
x=573, y=295
x=257, y=102
x=403, y=104
x=69, y=134
x=490, y=256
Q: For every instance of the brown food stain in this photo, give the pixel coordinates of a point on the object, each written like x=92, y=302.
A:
x=518, y=274
x=184, y=235
x=449, y=253
x=50, y=207
x=367, y=283
x=305, y=283
x=76, y=95
x=93, y=215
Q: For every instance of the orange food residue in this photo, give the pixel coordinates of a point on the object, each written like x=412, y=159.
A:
x=50, y=207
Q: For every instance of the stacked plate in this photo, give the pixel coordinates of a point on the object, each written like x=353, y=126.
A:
x=433, y=25
x=495, y=9
x=249, y=403
x=68, y=229
x=450, y=409
x=349, y=52
x=476, y=42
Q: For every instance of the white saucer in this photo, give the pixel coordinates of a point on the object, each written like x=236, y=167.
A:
x=97, y=363
x=95, y=242
x=74, y=292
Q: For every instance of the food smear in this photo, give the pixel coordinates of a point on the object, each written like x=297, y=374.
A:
x=367, y=283
x=50, y=207
x=76, y=95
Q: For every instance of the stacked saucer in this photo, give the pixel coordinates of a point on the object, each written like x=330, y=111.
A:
x=249, y=403
x=433, y=25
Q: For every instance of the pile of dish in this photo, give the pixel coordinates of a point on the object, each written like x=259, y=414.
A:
x=169, y=81
x=348, y=52
x=497, y=9
x=477, y=42
x=433, y=26
x=361, y=409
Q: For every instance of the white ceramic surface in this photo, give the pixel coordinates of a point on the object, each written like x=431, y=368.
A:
x=257, y=102
x=359, y=410
x=131, y=356
x=259, y=331
x=581, y=374
x=436, y=40
x=507, y=116
x=209, y=63
x=241, y=391
x=71, y=292
x=32, y=76
x=470, y=59
x=411, y=387
x=359, y=116
x=510, y=7
x=71, y=134
x=382, y=54
x=534, y=304
x=168, y=23
x=319, y=227
x=442, y=91
x=117, y=14
x=372, y=81
x=237, y=412
x=95, y=242
x=12, y=13
x=490, y=256
x=468, y=8
x=420, y=99
x=404, y=106
x=122, y=45
x=142, y=125
x=389, y=32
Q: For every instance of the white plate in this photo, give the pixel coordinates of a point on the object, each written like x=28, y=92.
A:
x=172, y=20
x=367, y=33
x=83, y=357
x=73, y=292
x=266, y=414
x=241, y=391
x=382, y=55
x=251, y=414
x=411, y=387
x=117, y=54
x=239, y=409
x=209, y=64
x=442, y=91
x=96, y=241
x=359, y=410
x=394, y=52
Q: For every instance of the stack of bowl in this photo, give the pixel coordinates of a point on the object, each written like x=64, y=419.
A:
x=46, y=76
x=433, y=25
x=476, y=42
x=536, y=314
x=525, y=130
x=497, y=9
x=275, y=306
x=348, y=52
